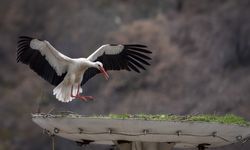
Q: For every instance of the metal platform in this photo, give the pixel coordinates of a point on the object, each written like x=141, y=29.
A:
x=130, y=134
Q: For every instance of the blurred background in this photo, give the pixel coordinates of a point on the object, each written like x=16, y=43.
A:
x=201, y=61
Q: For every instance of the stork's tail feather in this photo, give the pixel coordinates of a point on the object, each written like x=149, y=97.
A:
x=63, y=92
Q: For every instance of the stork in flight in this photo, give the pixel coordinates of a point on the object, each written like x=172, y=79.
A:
x=69, y=74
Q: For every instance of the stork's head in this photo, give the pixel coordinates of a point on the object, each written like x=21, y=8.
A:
x=99, y=66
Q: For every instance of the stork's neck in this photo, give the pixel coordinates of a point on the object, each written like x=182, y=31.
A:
x=88, y=63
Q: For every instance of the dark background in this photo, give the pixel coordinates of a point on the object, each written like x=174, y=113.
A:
x=201, y=61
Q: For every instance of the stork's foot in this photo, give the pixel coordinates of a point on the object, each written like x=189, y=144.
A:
x=84, y=98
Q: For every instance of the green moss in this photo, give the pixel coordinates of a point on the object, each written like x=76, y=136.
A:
x=225, y=119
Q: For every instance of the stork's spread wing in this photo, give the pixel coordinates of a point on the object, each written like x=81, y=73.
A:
x=119, y=57
x=43, y=58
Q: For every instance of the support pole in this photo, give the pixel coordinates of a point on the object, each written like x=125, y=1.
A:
x=125, y=146
x=165, y=146
x=144, y=146
x=53, y=142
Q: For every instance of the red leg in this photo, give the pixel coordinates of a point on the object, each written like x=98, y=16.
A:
x=71, y=94
x=77, y=94
x=85, y=98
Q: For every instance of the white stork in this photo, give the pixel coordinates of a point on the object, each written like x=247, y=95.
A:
x=69, y=74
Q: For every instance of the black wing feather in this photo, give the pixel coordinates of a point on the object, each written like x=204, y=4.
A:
x=130, y=51
x=135, y=45
x=36, y=61
x=132, y=57
x=136, y=63
x=89, y=73
x=139, y=59
x=133, y=67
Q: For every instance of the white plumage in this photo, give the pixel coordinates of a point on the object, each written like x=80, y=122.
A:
x=69, y=74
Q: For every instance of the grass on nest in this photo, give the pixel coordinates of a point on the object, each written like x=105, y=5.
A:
x=226, y=119
x=223, y=119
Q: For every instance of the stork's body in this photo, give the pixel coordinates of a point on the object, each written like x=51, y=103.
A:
x=68, y=74
x=70, y=88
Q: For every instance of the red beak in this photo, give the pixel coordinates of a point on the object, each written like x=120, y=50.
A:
x=104, y=73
